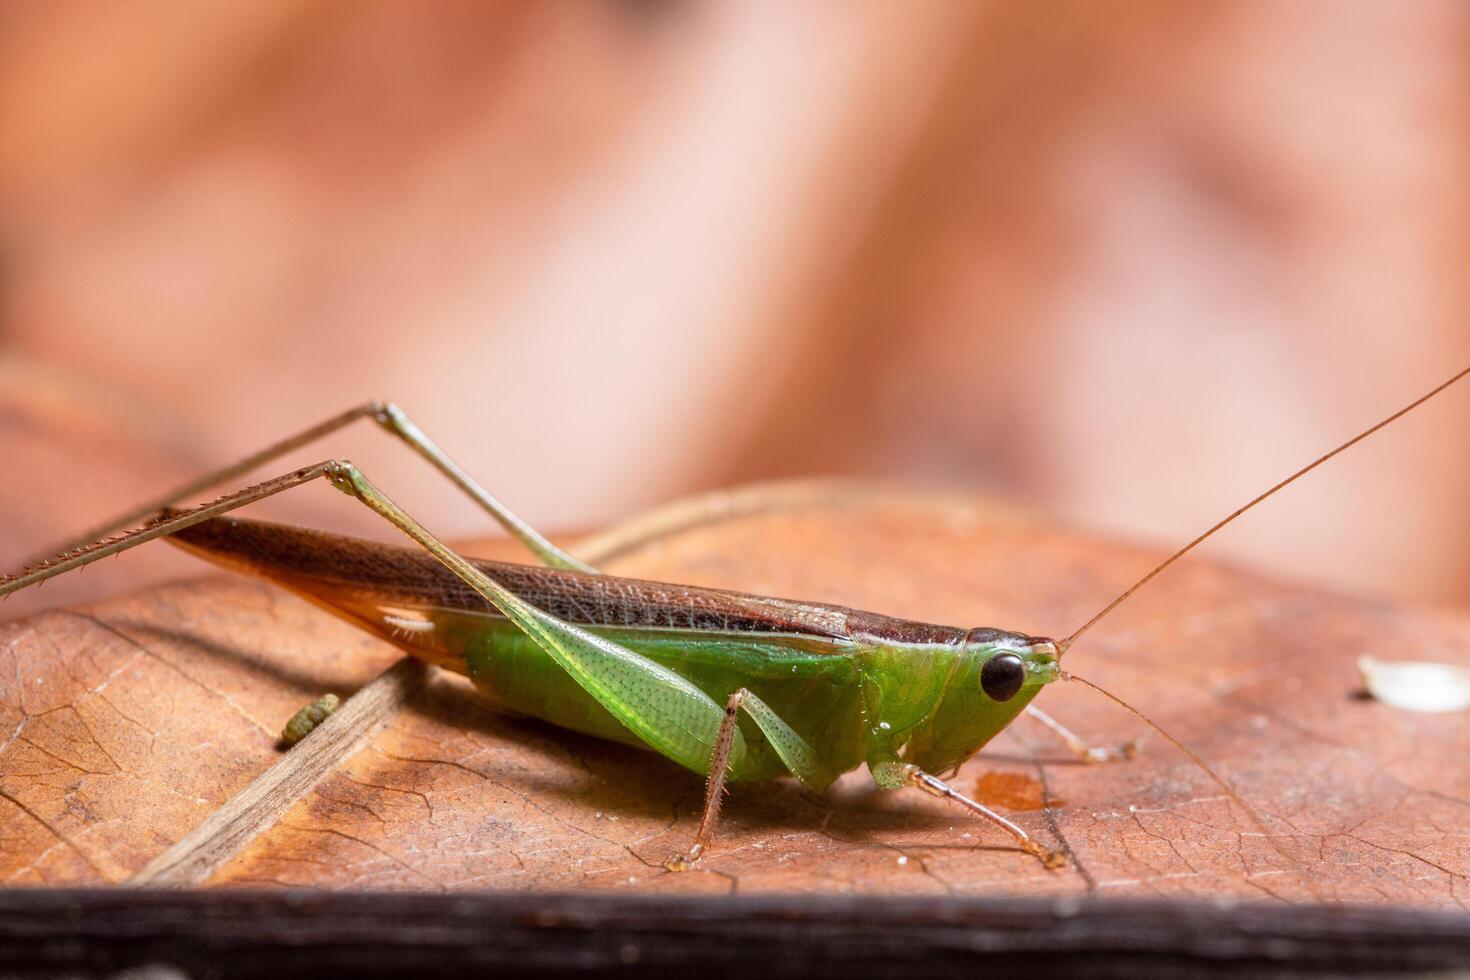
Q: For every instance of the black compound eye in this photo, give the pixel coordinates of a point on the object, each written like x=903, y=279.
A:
x=1002, y=676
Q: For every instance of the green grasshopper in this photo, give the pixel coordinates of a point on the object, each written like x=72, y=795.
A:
x=729, y=685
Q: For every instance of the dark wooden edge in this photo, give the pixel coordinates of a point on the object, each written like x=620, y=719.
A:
x=282, y=933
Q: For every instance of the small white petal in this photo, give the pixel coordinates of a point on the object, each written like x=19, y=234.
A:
x=1417, y=685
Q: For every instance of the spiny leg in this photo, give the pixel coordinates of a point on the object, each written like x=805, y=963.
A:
x=390, y=418
x=795, y=753
x=896, y=774
x=85, y=554
x=714, y=790
x=1080, y=746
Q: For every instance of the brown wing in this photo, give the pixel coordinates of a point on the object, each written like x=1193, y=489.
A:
x=300, y=558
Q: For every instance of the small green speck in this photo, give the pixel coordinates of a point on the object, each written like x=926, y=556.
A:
x=305, y=721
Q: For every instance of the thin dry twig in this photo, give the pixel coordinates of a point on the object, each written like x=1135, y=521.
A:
x=227, y=831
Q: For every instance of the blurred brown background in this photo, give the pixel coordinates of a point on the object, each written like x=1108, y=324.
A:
x=1123, y=263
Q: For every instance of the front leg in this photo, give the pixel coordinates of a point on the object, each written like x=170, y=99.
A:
x=898, y=775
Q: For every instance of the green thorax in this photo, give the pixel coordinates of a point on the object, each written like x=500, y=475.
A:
x=928, y=706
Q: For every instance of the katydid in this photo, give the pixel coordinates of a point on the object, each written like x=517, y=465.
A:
x=729, y=685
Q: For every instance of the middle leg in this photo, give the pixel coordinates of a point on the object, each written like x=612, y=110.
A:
x=794, y=751
x=714, y=789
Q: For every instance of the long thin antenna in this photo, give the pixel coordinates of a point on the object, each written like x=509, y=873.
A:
x=1067, y=675
x=1230, y=792
x=1062, y=647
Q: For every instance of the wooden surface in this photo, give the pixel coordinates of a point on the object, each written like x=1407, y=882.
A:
x=127, y=724
x=277, y=934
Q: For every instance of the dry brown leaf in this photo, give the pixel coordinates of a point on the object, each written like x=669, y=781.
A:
x=123, y=726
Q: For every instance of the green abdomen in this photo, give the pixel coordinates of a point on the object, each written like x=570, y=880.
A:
x=811, y=683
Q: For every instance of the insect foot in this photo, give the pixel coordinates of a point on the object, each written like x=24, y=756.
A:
x=1112, y=753
x=683, y=862
x=304, y=722
x=1050, y=860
